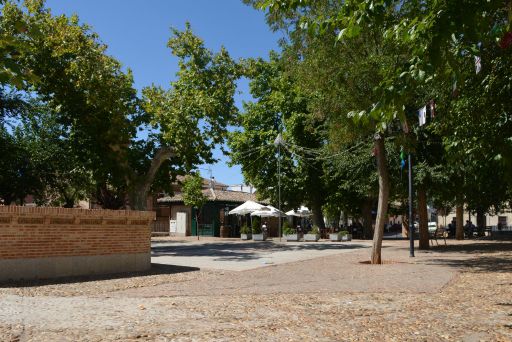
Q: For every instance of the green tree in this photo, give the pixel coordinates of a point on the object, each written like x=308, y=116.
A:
x=434, y=43
x=193, y=195
x=280, y=108
x=348, y=80
x=63, y=178
x=18, y=175
x=86, y=89
x=94, y=100
x=193, y=115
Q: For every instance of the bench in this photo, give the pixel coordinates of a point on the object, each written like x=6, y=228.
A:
x=438, y=233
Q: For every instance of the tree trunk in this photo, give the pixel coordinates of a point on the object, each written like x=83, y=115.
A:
x=345, y=220
x=318, y=217
x=480, y=221
x=459, y=231
x=8, y=199
x=423, y=215
x=69, y=203
x=335, y=223
x=405, y=226
x=140, y=188
x=366, y=211
x=69, y=199
x=197, y=224
x=109, y=199
x=382, y=207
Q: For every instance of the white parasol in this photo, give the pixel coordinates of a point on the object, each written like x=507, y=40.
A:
x=302, y=212
x=246, y=208
x=268, y=211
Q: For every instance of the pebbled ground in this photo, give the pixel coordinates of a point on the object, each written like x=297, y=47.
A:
x=462, y=292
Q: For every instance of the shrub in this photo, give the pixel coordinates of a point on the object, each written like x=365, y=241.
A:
x=343, y=232
x=315, y=230
x=256, y=225
x=245, y=229
x=287, y=229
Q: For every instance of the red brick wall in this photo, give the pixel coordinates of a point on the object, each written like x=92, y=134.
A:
x=28, y=232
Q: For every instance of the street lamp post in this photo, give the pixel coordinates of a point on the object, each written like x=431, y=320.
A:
x=411, y=219
x=278, y=142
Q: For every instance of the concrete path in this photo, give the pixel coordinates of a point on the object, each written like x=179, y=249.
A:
x=245, y=255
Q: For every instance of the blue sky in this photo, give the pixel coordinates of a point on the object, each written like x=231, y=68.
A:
x=136, y=33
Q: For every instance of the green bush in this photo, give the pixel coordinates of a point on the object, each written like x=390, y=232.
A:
x=315, y=230
x=245, y=229
x=287, y=229
x=256, y=225
x=343, y=232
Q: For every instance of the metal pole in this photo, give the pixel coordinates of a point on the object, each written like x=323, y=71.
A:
x=411, y=219
x=277, y=143
x=279, y=185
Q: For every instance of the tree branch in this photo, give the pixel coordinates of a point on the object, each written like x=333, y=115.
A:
x=160, y=157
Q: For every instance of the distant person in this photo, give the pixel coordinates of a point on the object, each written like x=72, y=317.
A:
x=468, y=229
x=452, y=228
x=264, y=227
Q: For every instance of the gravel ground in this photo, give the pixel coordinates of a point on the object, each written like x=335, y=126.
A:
x=462, y=292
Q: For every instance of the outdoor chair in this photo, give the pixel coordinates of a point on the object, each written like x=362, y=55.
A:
x=438, y=233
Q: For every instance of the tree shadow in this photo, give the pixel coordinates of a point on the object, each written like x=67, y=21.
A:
x=479, y=264
x=477, y=256
x=156, y=269
x=478, y=247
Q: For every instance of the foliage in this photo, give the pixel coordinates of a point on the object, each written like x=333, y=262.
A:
x=256, y=225
x=193, y=191
x=245, y=229
x=408, y=53
x=315, y=230
x=287, y=229
x=18, y=175
x=343, y=233
x=194, y=113
x=89, y=96
x=279, y=107
x=63, y=64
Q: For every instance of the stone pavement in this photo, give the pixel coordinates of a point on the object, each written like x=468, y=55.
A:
x=462, y=292
x=337, y=267
x=237, y=255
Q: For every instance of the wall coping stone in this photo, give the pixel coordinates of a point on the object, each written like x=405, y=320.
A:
x=104, y=214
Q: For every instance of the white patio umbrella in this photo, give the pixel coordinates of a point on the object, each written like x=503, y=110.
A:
x=302, y=212
x=246, y=208
x=268, y=211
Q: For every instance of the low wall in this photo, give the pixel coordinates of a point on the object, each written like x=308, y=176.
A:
x=40, y=242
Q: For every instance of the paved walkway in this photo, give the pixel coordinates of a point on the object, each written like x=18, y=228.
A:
x=462, y=292
x=237, y=255
x=318, y=267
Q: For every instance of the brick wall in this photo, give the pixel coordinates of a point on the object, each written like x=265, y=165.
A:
x=40, y=232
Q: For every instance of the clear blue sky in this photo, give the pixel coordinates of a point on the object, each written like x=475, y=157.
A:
x=136, y=33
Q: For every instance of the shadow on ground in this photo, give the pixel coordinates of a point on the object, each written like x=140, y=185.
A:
x=478, y=256
x=156, y=269
x=243, y=251
x=500, y=264
x=475, y=247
